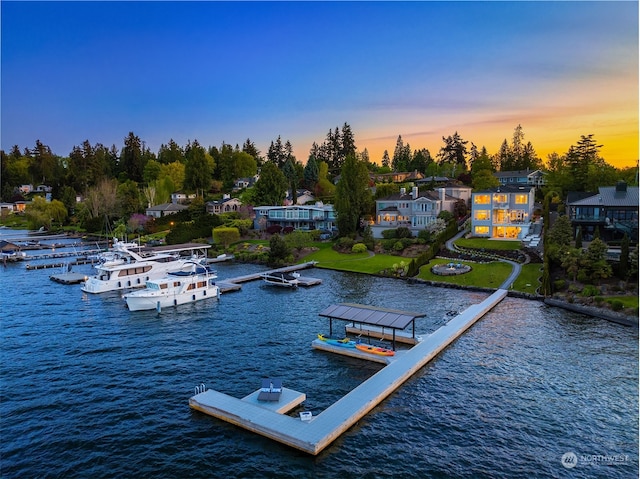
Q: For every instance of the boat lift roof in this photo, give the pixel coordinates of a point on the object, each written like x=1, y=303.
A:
x=371, y=315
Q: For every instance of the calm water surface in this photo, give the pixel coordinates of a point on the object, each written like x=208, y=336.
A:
x=90, y=389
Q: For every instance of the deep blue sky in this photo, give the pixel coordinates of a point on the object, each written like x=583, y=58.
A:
x=228, y=71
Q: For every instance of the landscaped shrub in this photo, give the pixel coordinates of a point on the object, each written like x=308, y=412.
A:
x=389, y=234
x=403, y=232
x=424, y=235
x=387, y=244
x=574, y=288
x=273, y=229
x=398, y=246
x=598, y=300
x=583, y=277
x=590, y=290
x=616, y=304
x=559, y=284
x=359, y=248
x=344, y=244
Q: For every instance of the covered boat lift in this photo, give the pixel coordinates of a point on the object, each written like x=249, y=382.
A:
x=370, y=315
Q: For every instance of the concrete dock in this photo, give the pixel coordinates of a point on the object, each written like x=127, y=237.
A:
x=314, y=435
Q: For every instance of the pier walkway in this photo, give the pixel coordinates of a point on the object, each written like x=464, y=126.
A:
x=312, y=436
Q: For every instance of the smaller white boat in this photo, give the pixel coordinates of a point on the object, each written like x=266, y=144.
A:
x=286, y=280
x=175, y=288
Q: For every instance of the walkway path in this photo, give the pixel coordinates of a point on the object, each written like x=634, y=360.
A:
x=515, y=272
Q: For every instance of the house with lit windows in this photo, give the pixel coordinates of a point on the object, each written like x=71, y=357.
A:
x=300, y=217
x=613, y=211
x=502, y=212
x=416, y=209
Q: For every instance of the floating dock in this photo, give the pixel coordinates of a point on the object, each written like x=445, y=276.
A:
x=235, y=284
x=314, y=434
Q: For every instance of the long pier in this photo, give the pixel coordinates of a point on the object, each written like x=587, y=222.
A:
x=315, y=434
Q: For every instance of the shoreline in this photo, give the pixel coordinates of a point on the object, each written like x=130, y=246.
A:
x=612, y=316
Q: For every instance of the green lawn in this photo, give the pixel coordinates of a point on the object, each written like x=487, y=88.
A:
x=359, y=263
x=488, y=275
x=528, y=281
x=482, y=243
x=629, y=302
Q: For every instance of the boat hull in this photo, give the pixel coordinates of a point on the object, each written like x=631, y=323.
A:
x=143, y=300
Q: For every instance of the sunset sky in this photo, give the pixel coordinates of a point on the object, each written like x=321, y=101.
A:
x=227, y=71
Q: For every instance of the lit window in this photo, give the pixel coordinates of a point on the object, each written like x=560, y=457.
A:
x=481, y=199
x=481, y=215
x=481, y=230
x=521, y=199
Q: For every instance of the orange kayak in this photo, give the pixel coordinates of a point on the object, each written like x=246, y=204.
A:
x=367, y=348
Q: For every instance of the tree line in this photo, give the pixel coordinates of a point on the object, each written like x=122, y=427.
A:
x=123, y=182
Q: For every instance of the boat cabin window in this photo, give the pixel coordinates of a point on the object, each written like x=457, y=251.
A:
x=132, y=271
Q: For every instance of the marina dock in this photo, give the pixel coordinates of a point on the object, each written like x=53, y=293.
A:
x=235, y=284
x=316, y=433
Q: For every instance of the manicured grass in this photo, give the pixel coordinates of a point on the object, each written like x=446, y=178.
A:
x=629, y=302
x=482, y=243
x=357, y=262
x=528, y=280
x=487, y=275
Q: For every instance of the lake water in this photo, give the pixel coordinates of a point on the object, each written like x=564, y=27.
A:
x=90, y=389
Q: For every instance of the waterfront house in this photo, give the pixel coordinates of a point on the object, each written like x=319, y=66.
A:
x=243, y=183
x=303, y=217
x=302, y=197
x=164, y=209
x=502, y=212
x=179, y=197
x=416, y=210
x=613, y=210
x=225, y=205
x=526, y=177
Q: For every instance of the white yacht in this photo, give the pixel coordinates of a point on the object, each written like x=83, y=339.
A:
x=181, y=287
x=124, y=268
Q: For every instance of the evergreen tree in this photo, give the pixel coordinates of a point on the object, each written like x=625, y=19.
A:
x=623, y=267
x=250, y=147
x=454, y=153
x=170, y=153
x=132, y=160
x=271, y=188
x=311, y=172
x=353, y=198
x=289, y=172
x=198, y=169
x=579, y=238
x=386, y=162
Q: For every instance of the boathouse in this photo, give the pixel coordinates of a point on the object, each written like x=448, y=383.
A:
x=372, y=321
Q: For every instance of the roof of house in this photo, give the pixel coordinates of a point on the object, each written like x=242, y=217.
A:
x=507, y=189
x=427, y=195
x=223, y=201
x=610, y=196
x=518, y=173
x=168, y=207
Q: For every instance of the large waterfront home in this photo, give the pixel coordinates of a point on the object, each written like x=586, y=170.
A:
x=614, y=210
x=502, y=212
x=416, y=210
x=304, y=217
x=527, y=177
